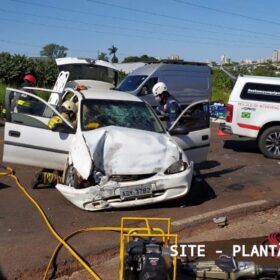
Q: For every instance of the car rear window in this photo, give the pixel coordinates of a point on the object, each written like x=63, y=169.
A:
x=90, y=72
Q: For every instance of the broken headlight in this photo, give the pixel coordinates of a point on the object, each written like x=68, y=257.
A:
x=176, y=167
x=97, y=176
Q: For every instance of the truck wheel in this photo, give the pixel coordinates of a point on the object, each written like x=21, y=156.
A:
x=269, y=142
x=71, y=177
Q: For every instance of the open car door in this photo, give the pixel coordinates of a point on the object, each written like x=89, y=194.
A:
x=28, y=140
x=191, y=131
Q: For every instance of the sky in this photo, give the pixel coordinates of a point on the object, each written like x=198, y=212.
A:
x=196, y=30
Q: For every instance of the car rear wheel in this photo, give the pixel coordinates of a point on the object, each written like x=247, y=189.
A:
x=269, y=142
x=71, y=177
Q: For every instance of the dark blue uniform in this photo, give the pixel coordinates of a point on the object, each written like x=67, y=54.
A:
x=171, y=110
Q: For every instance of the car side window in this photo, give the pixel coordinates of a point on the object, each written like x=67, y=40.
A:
x=148, y=86
x=27, y=110
x=261, y=92
x=196, y=117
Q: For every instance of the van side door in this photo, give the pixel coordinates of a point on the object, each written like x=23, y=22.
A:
x=191, y=131
x=28, y=138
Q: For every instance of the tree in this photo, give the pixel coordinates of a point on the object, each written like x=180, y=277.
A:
x=53, y=51
x=103, y=56
x=143, y=58
x=112, y=51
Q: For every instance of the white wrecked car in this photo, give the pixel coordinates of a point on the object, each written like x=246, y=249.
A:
x=120, y=155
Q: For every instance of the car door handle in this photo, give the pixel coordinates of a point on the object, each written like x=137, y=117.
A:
x=13, y=133
x=205, y=137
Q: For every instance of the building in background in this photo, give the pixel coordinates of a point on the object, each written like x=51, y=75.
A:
x=174, y=57
x=225, y=59
x=276, y=56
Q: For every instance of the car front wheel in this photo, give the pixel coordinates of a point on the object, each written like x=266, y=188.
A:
x=269, y=142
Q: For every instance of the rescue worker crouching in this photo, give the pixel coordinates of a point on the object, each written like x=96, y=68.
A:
x=168, y=107
x=52, y=177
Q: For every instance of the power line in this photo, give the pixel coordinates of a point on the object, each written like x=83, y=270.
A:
x=145, y=22
x=112, y=26
x=171, y=17
x=14, y=51
x=187, y=38
x=227, y=12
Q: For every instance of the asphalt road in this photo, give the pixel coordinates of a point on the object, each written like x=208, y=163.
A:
x=235, y=175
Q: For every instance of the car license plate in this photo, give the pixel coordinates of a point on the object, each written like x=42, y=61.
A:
x=135, y=191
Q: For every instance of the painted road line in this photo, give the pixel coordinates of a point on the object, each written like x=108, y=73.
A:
x=220, y=212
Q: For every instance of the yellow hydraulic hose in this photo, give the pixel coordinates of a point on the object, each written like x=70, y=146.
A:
x=115, y=229
x=62, y=242
x=118, y=229
x=10, y=173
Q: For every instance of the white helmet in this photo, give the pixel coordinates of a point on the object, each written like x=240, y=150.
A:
x=159, y=88
x=69, y=106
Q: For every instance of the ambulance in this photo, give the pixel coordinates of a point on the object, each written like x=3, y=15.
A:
x=253, y=110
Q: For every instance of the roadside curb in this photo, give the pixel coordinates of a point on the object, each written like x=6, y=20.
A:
x=239, y=210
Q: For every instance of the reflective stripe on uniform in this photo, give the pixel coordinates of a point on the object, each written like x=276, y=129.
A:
x=23, y=103
x=172, y=101
x=50, y=178
x=53, y=121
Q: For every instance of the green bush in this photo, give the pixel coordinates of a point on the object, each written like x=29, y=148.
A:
x=2, y=93
x=221, y=86
x=14, y=67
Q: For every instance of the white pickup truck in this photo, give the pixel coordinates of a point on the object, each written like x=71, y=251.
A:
x=253, y=110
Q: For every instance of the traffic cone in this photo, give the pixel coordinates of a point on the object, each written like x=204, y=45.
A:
x=222, y=133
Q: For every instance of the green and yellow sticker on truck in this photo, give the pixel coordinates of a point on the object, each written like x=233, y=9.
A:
x=245, y=115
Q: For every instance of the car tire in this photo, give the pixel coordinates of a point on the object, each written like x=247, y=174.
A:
x=71, y=177
x=269, y=142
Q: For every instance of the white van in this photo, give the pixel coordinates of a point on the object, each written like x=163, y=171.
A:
x=253, y=110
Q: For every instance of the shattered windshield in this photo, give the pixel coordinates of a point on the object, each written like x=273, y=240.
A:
x=131, y=83
x=97, y=113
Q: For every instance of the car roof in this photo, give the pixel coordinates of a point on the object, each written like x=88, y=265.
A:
x=79, y=60
x=187, y=66
x=108, y=95
x=259, y=78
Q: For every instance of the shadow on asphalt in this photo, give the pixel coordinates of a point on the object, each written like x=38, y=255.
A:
x=2, y=277
x=242, y=146
x=209, y=164
x=199, y=193
x=220, y=173
x=3, y=186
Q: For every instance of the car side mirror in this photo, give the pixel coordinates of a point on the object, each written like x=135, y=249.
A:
x=63, y=128
x=179, y=130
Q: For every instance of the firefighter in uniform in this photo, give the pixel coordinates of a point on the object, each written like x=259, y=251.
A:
x=53, y=177
x=21, y=102
x=168, y=107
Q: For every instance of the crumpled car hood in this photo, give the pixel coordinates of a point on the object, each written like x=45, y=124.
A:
x=125, y=151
